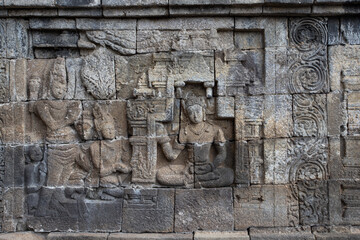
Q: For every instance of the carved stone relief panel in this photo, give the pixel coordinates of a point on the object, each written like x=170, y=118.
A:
x=180, y=125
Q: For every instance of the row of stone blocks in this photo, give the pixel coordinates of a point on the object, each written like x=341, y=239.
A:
x=335, y=233
x=180, y=210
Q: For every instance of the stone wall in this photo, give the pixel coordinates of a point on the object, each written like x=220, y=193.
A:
x=167, y=119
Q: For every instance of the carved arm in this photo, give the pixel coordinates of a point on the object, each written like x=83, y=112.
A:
x=221, y=154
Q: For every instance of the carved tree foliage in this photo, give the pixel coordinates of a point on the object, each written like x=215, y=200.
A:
x=98, y=75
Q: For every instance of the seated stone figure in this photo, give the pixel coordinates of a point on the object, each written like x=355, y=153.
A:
x=199, y=136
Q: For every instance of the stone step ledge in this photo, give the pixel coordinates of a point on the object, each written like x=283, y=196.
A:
x=279, y=233
x=166, y=8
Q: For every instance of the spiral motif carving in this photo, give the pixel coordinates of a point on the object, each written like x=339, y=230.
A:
x=307, y=77
x=308, y=33
x=308, y=73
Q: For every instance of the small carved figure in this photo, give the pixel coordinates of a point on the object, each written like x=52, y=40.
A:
x=111, y=163
x=35, y=177
x=199, y=136
x=34, y=87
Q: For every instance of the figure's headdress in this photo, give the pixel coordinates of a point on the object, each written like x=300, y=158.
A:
x=191, y=99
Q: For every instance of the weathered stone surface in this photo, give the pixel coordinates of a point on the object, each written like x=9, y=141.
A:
x=22, y=235
x=160, y=40
x=78, y=3
x=128, y=70
x=113, y=121
x=105, y=24
x=278, y=120
x=353, y=110
x=282, y=158
x=309, y=114
x=267, y=206
x=136, y=12
x=208, y=11
x=51, y=23
x=56, y=39
x=97, y=12
x=49, y=53
x=121, y=41
x=344, y=202
x=275, y=29
x=13, y=203
x=12, y=126
x=349, y=32
x=287, y=10
x=204, y=2
x=15, y=41
x=239, y=235
x=25, y=3
x=77, y=236
x=150, y=236
x=100, y=83
x=203, y=209
x=122, y=3
x=334, y=31
x=73, y=68
x=336, y=114
x=337, y=232
x=68, y=209
x=186, y=23
x=281, y=233
x=342, y=67
x=32, y=13
x=148, y=210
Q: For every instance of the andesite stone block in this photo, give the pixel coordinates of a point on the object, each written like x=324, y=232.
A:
x=205, y=209
x=148, y=210
x=150, y=236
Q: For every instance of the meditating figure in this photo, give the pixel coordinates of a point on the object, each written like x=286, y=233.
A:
x=199, y=136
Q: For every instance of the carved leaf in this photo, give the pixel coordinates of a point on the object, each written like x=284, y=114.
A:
x=98, y=75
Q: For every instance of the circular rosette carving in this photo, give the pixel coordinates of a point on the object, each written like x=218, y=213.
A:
x=310, y=174
x=308, y=33
x=307, y=78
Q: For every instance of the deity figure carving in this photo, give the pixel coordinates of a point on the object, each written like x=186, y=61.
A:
x=199, y=136
x=59, y=118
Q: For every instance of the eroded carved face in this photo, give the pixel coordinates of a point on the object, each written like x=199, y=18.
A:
x=58, y=89
x=195, y=113
x=108, y=131
x=35, y=153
